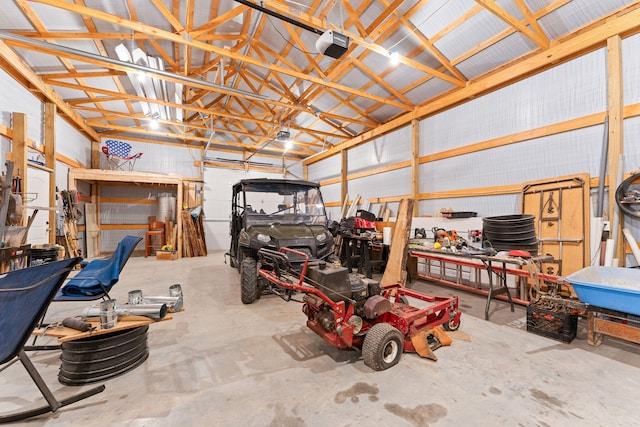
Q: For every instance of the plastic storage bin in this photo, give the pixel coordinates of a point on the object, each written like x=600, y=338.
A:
x=614, y=288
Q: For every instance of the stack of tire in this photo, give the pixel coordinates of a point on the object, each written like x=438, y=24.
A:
x=510, y=232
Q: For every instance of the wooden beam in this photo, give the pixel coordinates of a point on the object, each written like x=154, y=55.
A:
x=69, y=161
x=344, y=180
x=415, y=164
x=616, y=137
x=23, y=69
x=19, y=146
x=49, y=136
x=96, y=153
x=540, y=39
x=192, y=42
x=579, y=44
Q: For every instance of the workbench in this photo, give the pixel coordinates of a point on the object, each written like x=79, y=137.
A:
x=493, y=265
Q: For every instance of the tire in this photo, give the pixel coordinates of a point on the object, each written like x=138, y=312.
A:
x=248, y=280
x=451, y=325
x=382, y=347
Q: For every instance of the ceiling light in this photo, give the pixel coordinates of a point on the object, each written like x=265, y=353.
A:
x=394, y=58
x=288, y=145
x=153, y=124
x=283, y=135
x=132, y=66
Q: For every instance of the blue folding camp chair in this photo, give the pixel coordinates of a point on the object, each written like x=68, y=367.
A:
x=92, y=282
x=98, y=277
x=119, y=155
x=24, y=297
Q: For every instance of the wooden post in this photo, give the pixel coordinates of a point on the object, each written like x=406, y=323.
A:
x=96, y=152
x=415, y=164
x=343, y=178
x=19, y=151
x=179, y=218
x=50, y=162
x=616, y=140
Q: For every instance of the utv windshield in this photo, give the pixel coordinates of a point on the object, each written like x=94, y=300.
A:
x=284, y=203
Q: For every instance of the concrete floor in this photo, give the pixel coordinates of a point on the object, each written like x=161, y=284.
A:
x=222, y=363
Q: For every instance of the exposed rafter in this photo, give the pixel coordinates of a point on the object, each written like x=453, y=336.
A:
x=251, y=72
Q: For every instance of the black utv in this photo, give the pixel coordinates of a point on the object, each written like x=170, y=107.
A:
x=271, y=214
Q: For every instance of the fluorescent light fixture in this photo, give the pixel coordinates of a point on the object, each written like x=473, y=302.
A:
x=128, y=63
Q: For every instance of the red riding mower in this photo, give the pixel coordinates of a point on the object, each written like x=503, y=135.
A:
x=351, y=311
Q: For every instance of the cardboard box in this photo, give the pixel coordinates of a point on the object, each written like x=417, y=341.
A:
x=166, y=255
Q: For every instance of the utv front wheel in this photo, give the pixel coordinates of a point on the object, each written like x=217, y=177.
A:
x=248, y=280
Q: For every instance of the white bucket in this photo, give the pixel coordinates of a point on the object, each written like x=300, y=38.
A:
x=386, y=235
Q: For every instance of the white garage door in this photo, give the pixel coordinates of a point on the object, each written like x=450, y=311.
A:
x=217, y=202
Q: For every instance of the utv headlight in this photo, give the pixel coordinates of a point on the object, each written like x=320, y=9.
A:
x=321, y=237
x=263, y=238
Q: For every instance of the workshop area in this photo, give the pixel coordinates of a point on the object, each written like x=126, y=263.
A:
x=319, y=212
x=223, y=363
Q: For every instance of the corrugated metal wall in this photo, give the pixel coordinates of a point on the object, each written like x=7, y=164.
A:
x=573, y=90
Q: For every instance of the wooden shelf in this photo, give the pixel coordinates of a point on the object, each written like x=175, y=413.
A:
x=101, y=176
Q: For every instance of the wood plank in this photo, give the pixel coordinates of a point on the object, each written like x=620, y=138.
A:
x=65, y=334
x=19, y=153
x=561, y=208
x=616, y=139
x=395, y=270
x=92, y=230
x=27, y=72
x=49, y=136
x=132, y=177
x=540, y=39
x=415, y=165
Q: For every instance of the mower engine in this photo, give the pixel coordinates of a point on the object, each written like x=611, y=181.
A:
x=340, y=286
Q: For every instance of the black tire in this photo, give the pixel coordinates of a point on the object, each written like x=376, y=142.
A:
x=382, y=347
x=249, y=280
x=404, y=300
x=451, y=325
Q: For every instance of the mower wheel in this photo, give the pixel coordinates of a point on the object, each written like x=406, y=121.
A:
x=382, y=347
x=248, y=280
x=451, y=325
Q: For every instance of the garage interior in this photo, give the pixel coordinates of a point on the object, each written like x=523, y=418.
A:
x=430, y=126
